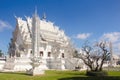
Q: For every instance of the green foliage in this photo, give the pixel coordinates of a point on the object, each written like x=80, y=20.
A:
x=57, y=75
x=113, y=73
x=91, y=78
x=49, y=75
x=1, y=53
x=96, y=73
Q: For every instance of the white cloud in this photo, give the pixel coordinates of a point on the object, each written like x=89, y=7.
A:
x=113, y=36
x=4, y=25
x=83, y=36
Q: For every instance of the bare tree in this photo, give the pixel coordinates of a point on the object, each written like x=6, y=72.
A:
x=70, y=49
x=94, y=57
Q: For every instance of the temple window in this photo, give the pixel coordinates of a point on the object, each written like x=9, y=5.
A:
x=49, y=54
x=41, y=53
x=31, y=52
x=62, y=55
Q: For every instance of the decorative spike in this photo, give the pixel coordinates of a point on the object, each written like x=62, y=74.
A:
x=44, y=16
x=36, y=10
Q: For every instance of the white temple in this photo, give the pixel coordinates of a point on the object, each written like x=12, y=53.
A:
x=40, y=38
x=49, y=34
x=53, y=46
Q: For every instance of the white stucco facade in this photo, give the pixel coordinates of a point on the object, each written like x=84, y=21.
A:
x=53, y=46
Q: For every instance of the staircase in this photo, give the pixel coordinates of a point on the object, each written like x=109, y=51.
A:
x=71, y=63
x=17, y=64
x=9, y=64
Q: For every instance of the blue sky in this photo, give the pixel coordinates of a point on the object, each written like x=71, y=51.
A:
x=80, y=19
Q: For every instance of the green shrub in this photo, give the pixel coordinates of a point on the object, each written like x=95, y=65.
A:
x=96, y=73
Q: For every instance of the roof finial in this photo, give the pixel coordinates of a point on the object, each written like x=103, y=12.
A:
x=35, y=10
x=15, y=16
x=44, y=16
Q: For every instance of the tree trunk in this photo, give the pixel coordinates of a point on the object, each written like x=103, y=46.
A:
x=100, y=69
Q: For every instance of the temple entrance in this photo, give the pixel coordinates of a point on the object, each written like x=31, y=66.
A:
x=49, y=54
x=41, y=53
x=62, y=55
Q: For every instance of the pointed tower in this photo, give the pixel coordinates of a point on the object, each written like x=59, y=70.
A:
x=111, y=54
x=35, y=34
x=44, y=16
x=36, y=61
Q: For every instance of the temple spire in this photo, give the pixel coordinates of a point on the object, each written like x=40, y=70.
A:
x=35, y=33
x=44, y=16
x=35, y=11
x=111, y=54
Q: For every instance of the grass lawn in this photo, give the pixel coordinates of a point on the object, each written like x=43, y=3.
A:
x=58, y=75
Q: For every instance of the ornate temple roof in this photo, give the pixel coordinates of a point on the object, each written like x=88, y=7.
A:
x=48, y=31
